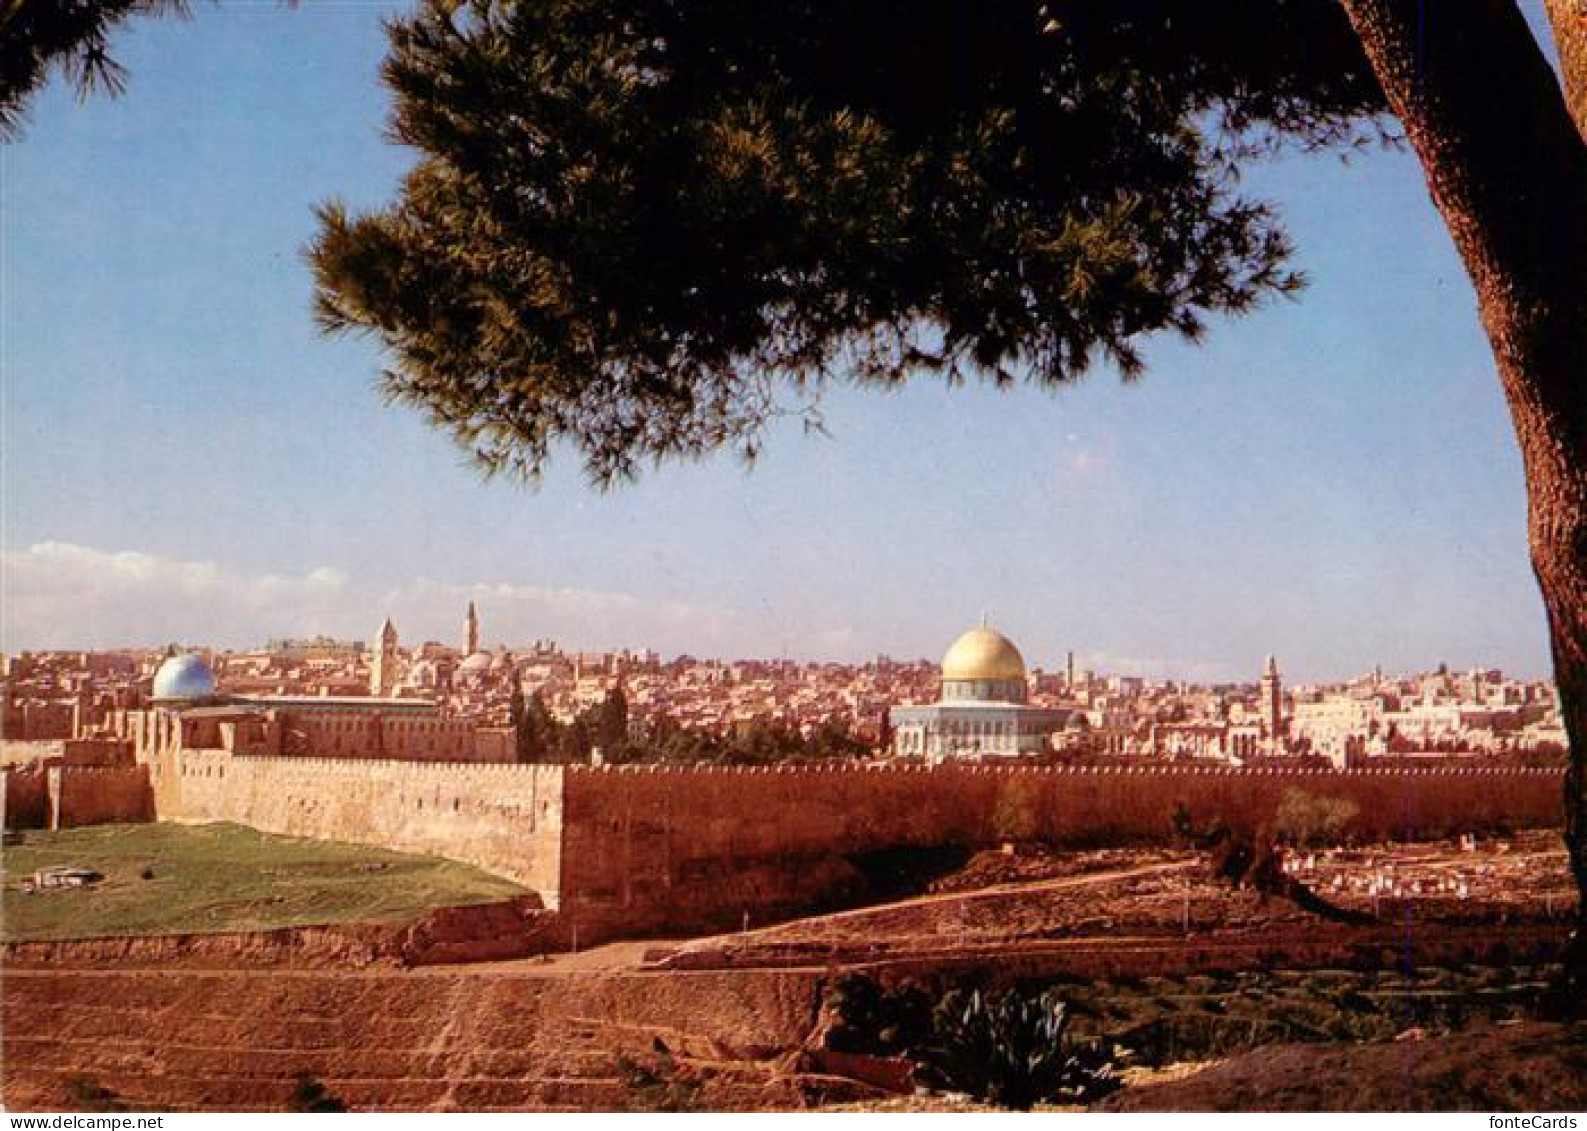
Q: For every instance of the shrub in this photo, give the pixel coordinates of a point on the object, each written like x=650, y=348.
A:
x=867, y=1019
x=1018, y=813
x=1012, y=1050
x=1305, y=819
x=657, y=1084
x=84, y=1093
x=1252, y=860
x=311, y=1096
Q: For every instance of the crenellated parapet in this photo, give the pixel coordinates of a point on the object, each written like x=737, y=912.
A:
x=983, y=769
x=636, y=848
x=696, y=847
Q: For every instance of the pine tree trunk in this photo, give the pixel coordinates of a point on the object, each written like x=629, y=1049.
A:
x=1507, y=168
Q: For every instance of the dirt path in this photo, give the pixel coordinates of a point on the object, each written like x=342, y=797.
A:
x=994, y=892
x=639, y=955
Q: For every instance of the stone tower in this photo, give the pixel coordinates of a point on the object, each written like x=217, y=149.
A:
x=1273, y=706
x=383, y=668
x=470, y=632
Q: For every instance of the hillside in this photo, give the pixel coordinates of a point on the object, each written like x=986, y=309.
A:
x=169, y=879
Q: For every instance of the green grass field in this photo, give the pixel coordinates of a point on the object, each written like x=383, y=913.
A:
x=222, y=877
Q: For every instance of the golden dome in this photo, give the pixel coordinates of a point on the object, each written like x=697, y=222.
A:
x=983, y=654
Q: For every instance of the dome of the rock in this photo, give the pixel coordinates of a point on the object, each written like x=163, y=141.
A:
x=983, y=654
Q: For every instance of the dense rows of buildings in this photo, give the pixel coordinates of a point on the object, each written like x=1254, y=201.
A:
x=453, y=702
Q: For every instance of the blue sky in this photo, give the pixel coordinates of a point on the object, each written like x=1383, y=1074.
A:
x=1333, y=479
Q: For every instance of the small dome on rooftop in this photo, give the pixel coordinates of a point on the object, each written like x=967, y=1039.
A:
x=183, y=678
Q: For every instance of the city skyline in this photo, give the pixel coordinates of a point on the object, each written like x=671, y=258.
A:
x=983, y=699
x=1093, y=665
x=1333, y=480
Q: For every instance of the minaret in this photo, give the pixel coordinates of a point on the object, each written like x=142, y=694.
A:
x=470, y=632
x=1273, y=705
x=383, y=668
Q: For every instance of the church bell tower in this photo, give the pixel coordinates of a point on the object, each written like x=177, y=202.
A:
x=383, y=668
x=1273, y=706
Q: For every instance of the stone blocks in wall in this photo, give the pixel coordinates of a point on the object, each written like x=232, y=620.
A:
x=96, y=752
x=99, y=795
x=688, y=848
x=506, y=819
x=24, y=797
x=636, y=849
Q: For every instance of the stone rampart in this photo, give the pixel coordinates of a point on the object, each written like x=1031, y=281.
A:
x=63, y=796
x=506, y=819
x=24, y=797
x=691, y=848
x=99, y=795
x=633, y=850
x=96, y=752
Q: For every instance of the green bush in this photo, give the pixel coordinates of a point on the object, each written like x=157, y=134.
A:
x=1013, y=1051
x=658, y=1083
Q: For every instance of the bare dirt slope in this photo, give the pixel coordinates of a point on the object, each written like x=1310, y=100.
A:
x=405, y=1040
x=1530, y=1067
x=721, y=1023
x=1160, y=912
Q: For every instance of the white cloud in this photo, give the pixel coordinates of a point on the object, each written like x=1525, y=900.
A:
x=1083, y=463
x=61, y=595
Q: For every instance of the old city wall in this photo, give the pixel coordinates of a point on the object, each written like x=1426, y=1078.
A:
x=96, y=752
x=675, y=848
x=506, y=819
x=99, y=795
x=65, y=796
x=336, y=734
x=24, y=797
x=630, y=850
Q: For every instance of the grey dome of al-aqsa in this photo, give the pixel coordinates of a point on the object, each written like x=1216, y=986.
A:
x=183, y=678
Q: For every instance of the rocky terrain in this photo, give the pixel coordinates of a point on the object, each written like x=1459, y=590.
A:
x=737, y=1021
x=1526, y=1066
x=465, y=1039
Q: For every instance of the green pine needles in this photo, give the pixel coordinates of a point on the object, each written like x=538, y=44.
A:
x=646, y=230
